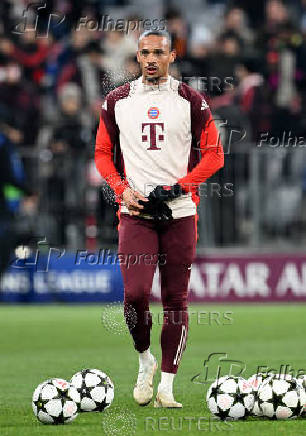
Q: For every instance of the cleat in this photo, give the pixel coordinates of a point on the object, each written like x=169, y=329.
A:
x=143, y=390
x=167, y=401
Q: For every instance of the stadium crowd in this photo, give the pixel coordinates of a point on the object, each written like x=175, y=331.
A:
x=56, y=66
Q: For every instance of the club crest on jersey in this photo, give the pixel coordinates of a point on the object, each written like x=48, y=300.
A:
x=153, y=113
x=204, y=105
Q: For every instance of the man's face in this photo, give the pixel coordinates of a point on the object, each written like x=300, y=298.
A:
x=154, y=57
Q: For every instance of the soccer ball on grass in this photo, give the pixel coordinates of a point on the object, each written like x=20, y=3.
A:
x=55, y=401
x=95, y=389
x=230, y=398
x=255, y=381
x=280, y=398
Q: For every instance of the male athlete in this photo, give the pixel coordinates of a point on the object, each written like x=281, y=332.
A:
x=156, y=143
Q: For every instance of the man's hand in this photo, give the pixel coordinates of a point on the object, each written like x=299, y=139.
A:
x=131, y=200
x=159, y=210
x=165, y=193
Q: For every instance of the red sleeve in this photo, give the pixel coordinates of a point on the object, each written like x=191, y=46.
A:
x=212, y=157
x=104, y=160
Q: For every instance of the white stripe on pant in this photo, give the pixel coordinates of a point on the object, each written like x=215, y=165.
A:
x=181, y=346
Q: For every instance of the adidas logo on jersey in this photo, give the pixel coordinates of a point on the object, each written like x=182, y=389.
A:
x=204, y=105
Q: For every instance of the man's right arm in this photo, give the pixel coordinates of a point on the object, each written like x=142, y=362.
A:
x=106, y=167
x=104, y=159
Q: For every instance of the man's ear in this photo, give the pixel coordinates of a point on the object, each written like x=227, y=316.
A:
x=172, y=56
x=138, y=57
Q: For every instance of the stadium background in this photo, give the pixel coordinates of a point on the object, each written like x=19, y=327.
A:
x=59, y=59
x=53, y=80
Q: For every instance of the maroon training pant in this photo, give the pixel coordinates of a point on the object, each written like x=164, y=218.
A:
x=173, y=244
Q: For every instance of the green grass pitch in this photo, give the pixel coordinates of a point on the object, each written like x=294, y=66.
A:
x=56, y=341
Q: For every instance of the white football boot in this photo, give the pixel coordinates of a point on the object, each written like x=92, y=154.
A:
x=143, y=390
x=166, y=399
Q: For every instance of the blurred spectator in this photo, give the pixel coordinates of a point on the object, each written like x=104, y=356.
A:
x=92, y=72
x=223, y=61
x=19, y=104
x=32, y=53
x=69, y=150
x=69, y=56
x=177, y=27
x=252, y=96
x=235, y=21
x=276, y=16
x=276, y=13
x=13, y=187
x=201, y=41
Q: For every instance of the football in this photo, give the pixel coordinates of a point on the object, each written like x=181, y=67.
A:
x=302, y=381
x=95, y=389
x=280, y=398
x=230, y=398
x=255, y=381
x=55, y=401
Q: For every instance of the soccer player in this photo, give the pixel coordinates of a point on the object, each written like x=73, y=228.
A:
x=156, y=143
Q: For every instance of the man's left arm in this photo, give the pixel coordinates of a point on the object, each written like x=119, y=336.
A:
x=212, y=157
x=205, y=134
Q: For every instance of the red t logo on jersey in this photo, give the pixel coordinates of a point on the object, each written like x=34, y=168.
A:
x=153, y=134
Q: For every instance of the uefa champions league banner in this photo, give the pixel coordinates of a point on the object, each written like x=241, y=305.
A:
x=62, y=279
x=85, y=279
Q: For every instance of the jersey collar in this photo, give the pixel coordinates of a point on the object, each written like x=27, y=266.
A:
x=165, y=86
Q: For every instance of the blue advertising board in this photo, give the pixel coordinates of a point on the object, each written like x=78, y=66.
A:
x=69, y=278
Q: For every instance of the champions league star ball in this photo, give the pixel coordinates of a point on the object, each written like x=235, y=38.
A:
x=95, y=388
x=230, y=398
x=255, y=381
x=302, y=382
x=55, y=401
x=280, y=398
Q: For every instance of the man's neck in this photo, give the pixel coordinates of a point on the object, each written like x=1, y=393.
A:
x=156, y=82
